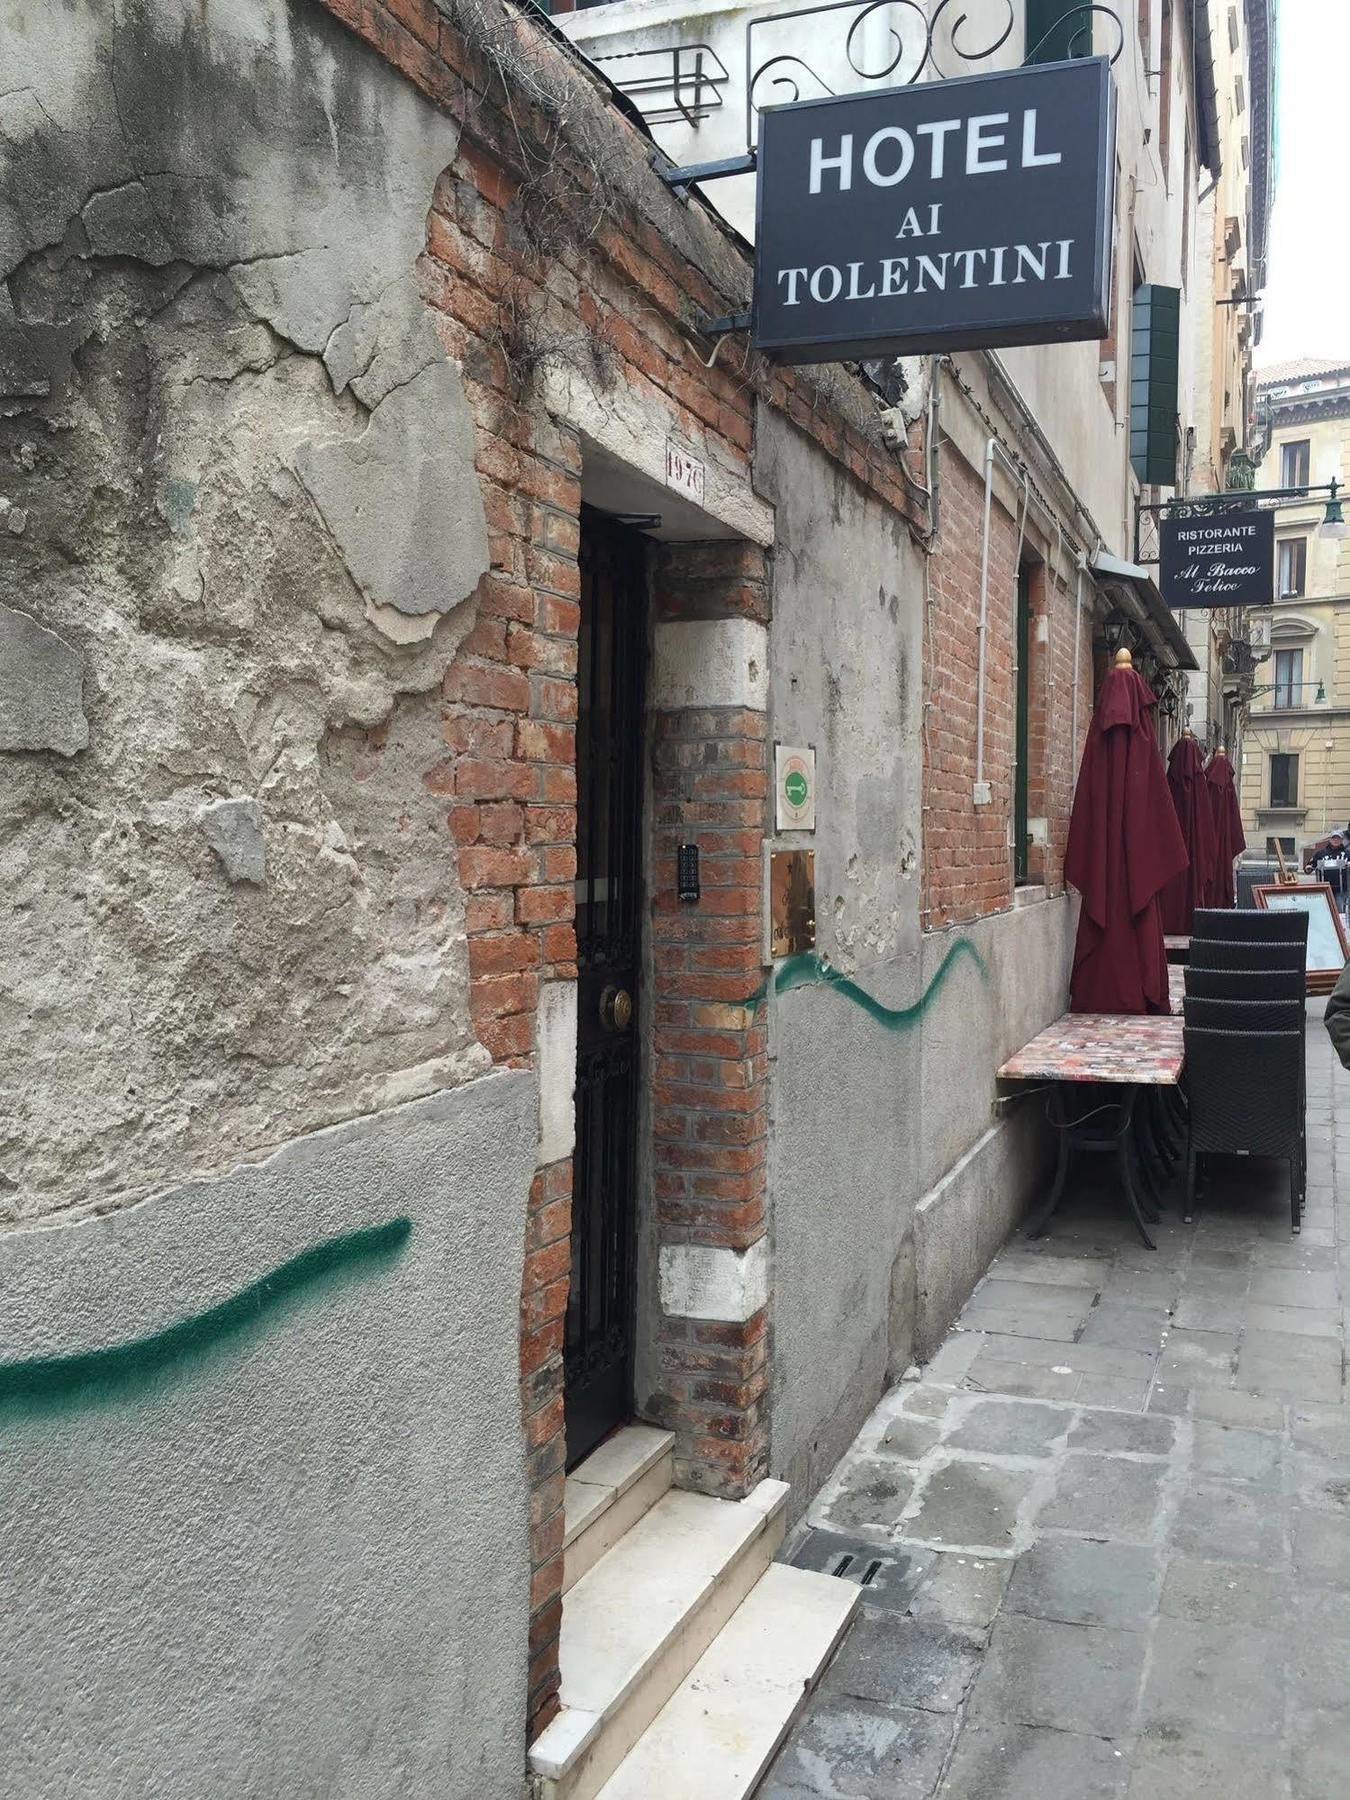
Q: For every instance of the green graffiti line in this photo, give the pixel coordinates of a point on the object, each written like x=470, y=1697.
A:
x=807, y=969
x=127, y=1371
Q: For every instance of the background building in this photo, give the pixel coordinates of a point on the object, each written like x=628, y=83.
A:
x=1296, y=749
x=1232, y=227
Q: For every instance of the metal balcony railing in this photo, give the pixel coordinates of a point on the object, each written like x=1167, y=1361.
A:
x=675, y=81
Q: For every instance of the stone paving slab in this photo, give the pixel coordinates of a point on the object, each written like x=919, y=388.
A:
x=1104, y=1540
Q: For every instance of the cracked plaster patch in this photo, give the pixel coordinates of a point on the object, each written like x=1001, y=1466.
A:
x=40, y=681
x=409, y=526
x=233, y=829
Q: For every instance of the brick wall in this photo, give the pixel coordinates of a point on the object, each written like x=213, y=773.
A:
x=967, y=868
x=710, y=1050
x=967, y=860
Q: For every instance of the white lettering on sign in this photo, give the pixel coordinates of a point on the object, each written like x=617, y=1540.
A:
x=1031, y=158
x=889, y=155
x=891, y=276
x=979, y=139
x=684, y=472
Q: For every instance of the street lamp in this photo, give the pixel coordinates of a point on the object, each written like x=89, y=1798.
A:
x=1333, y=520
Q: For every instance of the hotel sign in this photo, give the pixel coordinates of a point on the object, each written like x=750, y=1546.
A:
x=949, y=215
x=1222, y=558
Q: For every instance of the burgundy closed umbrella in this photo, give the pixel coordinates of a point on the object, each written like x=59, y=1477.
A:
x=1195, y=814
x=1124, y=847
x=1229, y=838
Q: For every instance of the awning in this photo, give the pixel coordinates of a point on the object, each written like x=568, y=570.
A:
x=1138, y=594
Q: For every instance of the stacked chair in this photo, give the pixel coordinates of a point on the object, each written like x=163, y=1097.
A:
x=1246, y=1087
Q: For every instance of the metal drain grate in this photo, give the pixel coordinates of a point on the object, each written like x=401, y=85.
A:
x=848, y=1565
x=888, y=1578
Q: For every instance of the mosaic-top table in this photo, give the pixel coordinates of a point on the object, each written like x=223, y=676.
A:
x=1116, y=1047
x=1140, y=1054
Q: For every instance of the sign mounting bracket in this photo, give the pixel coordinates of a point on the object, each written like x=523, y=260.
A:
x=720, y=327
x=681, y=180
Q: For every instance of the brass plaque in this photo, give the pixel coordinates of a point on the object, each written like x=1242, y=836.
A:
x=792, y=902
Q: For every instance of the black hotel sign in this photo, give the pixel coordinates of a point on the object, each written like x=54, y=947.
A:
x=950, y=215
x=1223, y=558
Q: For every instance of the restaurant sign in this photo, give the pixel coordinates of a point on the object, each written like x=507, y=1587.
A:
x=1216, y=559
x=949, y=215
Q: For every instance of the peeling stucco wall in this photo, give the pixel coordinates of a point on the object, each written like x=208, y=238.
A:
x=240, y=541
x=844, y=677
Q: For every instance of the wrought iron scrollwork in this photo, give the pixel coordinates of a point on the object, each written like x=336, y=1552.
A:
x=917, y=38
x=906, y=7
x=791, y=83
x=1080, y=38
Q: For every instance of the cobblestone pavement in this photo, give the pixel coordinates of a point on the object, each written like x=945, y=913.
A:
x=1105, y=1540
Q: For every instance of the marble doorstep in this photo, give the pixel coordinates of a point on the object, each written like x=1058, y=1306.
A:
x=609, y=1493
x=635, y=1625
x=720, y=1730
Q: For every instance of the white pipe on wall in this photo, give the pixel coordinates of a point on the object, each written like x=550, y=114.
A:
x=982, y=629
x=1077, y=666
x=993, y=447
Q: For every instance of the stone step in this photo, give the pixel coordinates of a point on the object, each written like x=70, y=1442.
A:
x=635, y=1624
x=609, y=1492
x=721, y=1728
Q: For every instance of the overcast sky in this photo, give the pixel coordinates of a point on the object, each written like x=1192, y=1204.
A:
x=1307, y=310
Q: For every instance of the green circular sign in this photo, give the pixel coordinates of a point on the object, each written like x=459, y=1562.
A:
x=794, y=786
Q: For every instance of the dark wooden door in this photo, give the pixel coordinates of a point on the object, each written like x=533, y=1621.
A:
x=611, y=671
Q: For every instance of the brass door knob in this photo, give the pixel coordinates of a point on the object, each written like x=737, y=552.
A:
x=616, y=1008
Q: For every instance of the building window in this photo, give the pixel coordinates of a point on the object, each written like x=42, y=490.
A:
x=1285, y=844
x=1292, y=573
x=1283, y=779
x=1294, y=464
x=1288, y=678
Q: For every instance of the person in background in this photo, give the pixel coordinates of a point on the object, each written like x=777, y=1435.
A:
x=1330, y=866
x=1318, y=848
x=1337, y=1017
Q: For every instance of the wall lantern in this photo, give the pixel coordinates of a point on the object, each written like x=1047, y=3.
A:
x=1333, y=520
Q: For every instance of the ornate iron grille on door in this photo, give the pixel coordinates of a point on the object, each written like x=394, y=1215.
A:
x=611, y=670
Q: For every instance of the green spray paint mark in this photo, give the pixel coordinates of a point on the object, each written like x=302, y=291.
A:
x=807, y=969
x=48, y=1384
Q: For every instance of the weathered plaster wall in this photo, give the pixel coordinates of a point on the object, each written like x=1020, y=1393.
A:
x=976, y=1175
x=292, y=1559
x=891, y=1186
x=845, y=660
x=242, y=533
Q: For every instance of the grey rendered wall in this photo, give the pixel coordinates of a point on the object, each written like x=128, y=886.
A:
x=293, y=1560
x=891, y=1183
x=844, y=1140
x=975, y=1175
x=239, y=529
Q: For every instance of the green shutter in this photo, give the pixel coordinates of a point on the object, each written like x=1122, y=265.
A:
x=1057, y=29
x=1155, y=341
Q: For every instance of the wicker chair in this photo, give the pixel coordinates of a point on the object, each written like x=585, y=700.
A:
x=1244, y=1015
x=1246, y=1097
x=1228, y=953
x=1232, y=926
x=1243, y=1000
x=1245, y=984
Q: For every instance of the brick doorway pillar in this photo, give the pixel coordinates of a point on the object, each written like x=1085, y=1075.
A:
x=709, y=1038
